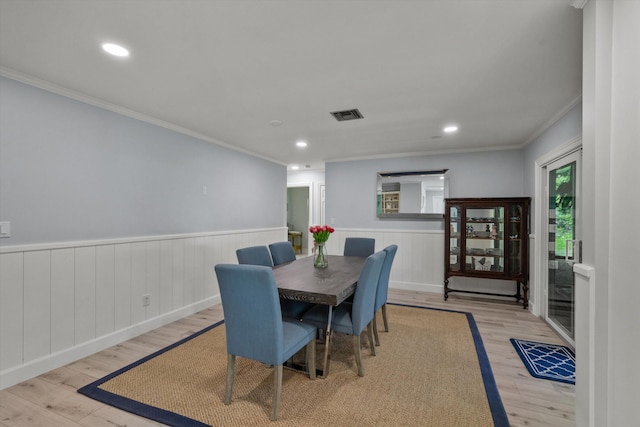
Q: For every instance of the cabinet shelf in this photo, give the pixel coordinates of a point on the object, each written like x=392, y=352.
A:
x=390, y=202
x=478, y=242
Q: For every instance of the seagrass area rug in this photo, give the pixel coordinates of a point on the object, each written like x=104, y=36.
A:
x=547, y=361
x=431, y=369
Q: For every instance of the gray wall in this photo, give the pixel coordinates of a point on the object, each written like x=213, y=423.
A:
x=564, y=130
x=351, y=186
x=71, y=171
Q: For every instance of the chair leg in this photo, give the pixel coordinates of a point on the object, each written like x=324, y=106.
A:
x=375, y=329
x=277, y=391
x=372, y=345
x=356, y=350
x=311, y=358
x=231, y=373
x=384, y=317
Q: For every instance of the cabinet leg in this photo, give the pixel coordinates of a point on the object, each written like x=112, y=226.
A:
x=525, y=297
x=446, y=289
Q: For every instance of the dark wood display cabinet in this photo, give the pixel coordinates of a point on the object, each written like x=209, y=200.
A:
x=488, y=238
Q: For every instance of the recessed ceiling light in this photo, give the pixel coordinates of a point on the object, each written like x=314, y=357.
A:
x=295, y=167
x=450, y=129
x=115, y=50
x=276, y=122
x=301, y=144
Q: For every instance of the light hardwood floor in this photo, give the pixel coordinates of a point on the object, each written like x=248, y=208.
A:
x=51, y=399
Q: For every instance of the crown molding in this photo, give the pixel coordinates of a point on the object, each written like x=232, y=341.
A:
x=578, y=4
x=99, y=103
x=560, y=114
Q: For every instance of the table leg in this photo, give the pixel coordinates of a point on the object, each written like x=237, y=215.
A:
x=327, y=343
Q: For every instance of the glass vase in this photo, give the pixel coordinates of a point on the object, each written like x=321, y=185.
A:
x=320, y=255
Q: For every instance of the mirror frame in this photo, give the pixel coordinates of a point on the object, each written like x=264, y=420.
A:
x=410, y=215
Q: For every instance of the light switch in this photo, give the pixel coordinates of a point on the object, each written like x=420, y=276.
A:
x=5, y=229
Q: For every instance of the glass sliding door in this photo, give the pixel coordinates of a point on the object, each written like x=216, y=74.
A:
x=563, y=242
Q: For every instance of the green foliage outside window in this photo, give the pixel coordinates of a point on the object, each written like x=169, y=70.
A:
x=564, y=202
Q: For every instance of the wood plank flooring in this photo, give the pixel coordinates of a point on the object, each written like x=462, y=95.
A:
x=51, y=399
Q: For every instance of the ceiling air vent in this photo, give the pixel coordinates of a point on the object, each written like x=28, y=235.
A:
x=342, y=116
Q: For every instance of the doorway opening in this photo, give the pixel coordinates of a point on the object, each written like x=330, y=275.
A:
x=298, y=218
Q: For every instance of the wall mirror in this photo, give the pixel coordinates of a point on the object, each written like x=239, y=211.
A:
x=412, y=194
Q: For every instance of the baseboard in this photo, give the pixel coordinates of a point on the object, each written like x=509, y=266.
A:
x=40, y=366
x=418, y=287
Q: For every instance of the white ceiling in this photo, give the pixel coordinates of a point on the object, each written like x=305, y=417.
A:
x=502, y=70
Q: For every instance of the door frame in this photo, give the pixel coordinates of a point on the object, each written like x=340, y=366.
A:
x=539, y=307
x=568, y=159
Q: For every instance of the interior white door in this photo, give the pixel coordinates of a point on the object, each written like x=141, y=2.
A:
x=563, y=241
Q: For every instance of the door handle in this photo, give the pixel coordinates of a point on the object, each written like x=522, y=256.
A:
x=572, y=244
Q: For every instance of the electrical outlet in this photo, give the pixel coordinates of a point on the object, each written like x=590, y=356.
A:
x=146, y=300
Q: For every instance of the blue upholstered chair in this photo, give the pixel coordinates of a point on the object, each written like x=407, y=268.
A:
x=255, y=255
x=282, y=252
x=383, y=290
x=254, y=327
x=359, y=246
x=353, y=318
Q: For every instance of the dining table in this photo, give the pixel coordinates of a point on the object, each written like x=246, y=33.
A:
x=299, y=280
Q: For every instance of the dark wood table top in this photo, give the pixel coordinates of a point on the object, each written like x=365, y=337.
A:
x=301, y=281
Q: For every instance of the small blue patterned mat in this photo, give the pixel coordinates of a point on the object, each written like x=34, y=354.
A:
x=548, y=361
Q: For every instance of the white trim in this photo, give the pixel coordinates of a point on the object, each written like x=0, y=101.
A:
x=45, y=364
x=584, y=270
x=417, y=287
x=68, y=93
x=173, y=296
x=388, y=230
x=102, y=242
x=552, y=121
x=578, y=4
x=572, y=145
x=540, y=267
x=427, y=153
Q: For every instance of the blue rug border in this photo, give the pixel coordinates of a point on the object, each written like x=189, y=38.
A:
x=169, y=418
x=172, y=419
x=498, y=413
x=533, y=373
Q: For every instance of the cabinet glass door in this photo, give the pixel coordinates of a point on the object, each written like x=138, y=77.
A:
x=455, y=260
x=484, y=235
x=515, y=239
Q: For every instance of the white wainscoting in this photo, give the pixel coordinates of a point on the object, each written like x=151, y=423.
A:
x=419, y=262
x=61, y=302
x=585, y=339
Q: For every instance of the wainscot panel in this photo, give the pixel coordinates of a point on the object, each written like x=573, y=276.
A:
x=62, y=302
x=419, y=262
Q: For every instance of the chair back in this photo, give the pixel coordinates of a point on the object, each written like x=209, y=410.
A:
x=365, y=295
x=383, y=284
x=359, y=246
x=255, y=255
x=252, y=316
x=282, y=252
